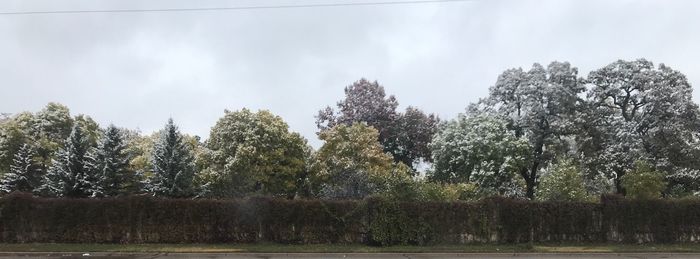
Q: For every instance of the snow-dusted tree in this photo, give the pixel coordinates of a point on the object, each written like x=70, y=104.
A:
x=14, y=133
x=637, y=111
x=140, y=151
x=173, y=165
x=47, y=130
x=254, y=152
x=540, y=106
x=351, y=163
x=478, y=148
x=24, y=174
x=91, y=129
x=683, y=182
x=70, y=174
x=111, y=165
x=366, y=102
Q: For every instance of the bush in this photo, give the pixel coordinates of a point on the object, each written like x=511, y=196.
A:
x=643, y=182
x=410, y=190
x=562, y=182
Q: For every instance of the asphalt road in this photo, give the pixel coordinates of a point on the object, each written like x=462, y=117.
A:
x=340, y=255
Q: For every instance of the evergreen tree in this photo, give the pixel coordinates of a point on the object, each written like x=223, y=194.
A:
x=111, y=164
x=173, y=165
x=24, y=174
x=70, y=174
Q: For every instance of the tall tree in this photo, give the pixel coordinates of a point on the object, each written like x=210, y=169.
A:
x=173, y=165
x=24, y=174
x=367, y=102
x=414, y=131
x=70, y=174
x=111, y=165
x=254, y=152
x=637, y=112
x=540, y=105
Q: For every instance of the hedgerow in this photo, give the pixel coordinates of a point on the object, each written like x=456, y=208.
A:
x=375, y=221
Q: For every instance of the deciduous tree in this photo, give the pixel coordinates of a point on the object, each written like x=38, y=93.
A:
x=405, y=135
x=638, y=111
x=254, y=152
x=478, y=148
x=352, y=164
x=539, y=105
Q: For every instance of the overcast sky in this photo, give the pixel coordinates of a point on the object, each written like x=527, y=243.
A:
x=137, y=69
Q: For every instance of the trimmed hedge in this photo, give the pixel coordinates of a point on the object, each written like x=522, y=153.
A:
x=143, y=219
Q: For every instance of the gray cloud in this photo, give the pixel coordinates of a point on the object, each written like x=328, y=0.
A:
x=137, y=69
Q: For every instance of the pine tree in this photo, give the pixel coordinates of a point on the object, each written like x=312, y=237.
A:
x=111, y=165
x=70, y=174
x=173, y=165
x=24, y=174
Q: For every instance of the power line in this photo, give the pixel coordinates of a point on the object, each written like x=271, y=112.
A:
x=231, y=8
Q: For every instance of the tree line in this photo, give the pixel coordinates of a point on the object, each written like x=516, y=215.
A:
x=543, y=133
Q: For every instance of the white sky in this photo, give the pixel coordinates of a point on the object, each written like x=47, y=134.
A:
x=137, y=69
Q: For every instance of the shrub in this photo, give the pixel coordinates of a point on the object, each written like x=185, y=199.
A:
x=429, y=191
x=562, y=182
x=643, y=182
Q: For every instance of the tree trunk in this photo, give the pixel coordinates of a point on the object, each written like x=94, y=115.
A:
x=530, y=191
x=618, y=184
x=531, y=180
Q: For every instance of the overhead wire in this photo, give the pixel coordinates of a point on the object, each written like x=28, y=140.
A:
x=229, y=8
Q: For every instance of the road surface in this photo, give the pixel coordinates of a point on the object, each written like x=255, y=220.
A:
x=341, y=255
